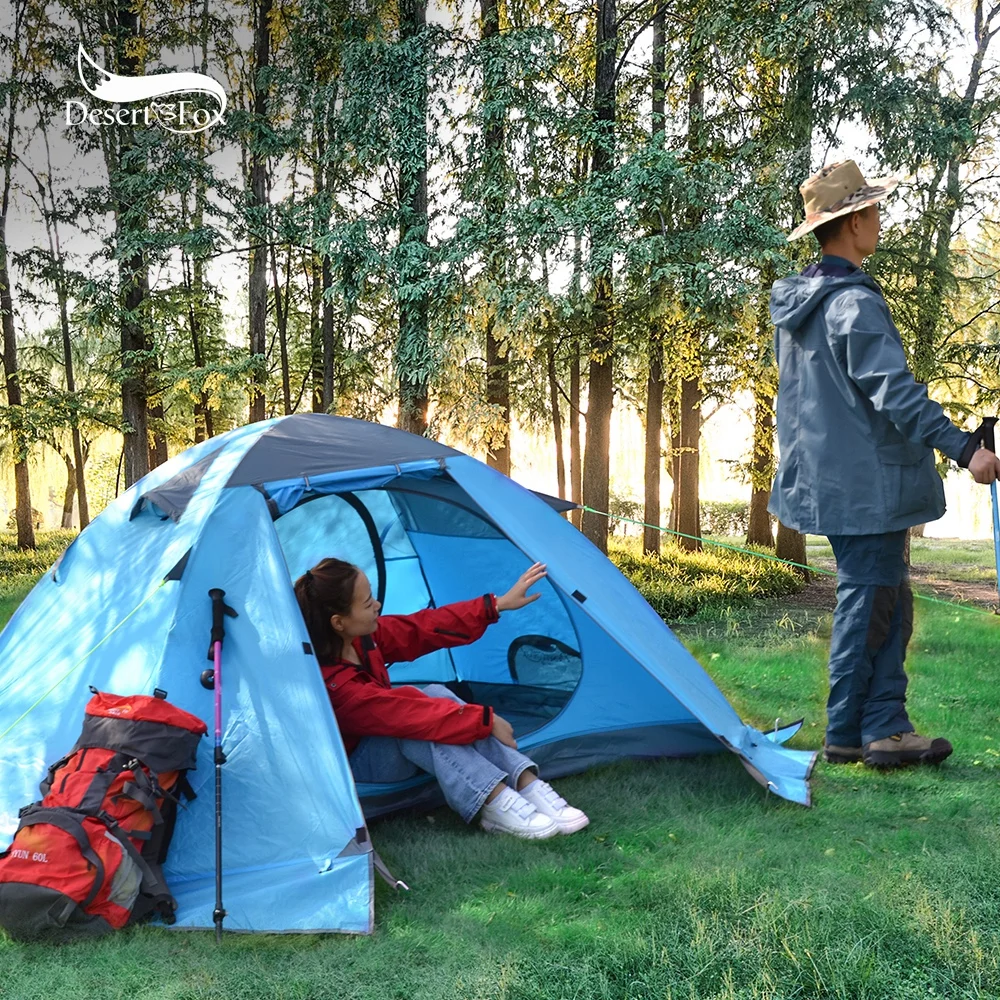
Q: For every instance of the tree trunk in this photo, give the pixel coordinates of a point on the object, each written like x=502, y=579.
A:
x=22, y=489
x=281, y=305
x=158, y=440
x=202, y=411
x=68, y=493
x=413, y=345
x=497, y=371
x=135, y=290
x=792, y=546
x=687, y=490
x=674, y=412
x=55, y=249
x=194, y=270
x=331, y=340
x=652, y=536
x=132, y=271
x=316, y=269
x=498, y=398
x=689, y=493
x=759, y=530
x=316, y=333
x=259, y=235
x=597, y=450
x=575, y=448
x=328, y=338
x=600, y=385
x=575, y=456
x=550, y=358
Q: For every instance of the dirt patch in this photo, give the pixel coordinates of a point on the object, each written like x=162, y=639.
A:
x=821, y=593
x=928, y=580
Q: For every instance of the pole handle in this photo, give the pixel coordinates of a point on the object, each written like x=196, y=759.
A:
x=982, y=435
x=989, y=437
x=219, y=612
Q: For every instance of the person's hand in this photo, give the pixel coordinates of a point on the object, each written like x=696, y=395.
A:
x=985, y=467
x=504, y=731
x=517, y=596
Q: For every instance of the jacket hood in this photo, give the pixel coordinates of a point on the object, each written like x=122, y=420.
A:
x=796, y=298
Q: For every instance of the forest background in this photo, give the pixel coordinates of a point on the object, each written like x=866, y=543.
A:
x=534, y=229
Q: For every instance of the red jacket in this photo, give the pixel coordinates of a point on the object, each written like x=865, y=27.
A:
x=367, y=705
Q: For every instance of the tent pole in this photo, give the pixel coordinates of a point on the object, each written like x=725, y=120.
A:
x=213, y=679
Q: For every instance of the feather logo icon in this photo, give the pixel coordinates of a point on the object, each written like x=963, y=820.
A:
x=177, y=115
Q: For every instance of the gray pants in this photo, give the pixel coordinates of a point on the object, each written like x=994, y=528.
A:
x=467, y=772
x=871, y=629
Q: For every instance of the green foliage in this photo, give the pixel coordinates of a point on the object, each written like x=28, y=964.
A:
x=679, y=584
x=36, y=519
x=620, y=506
x=104, y=481
x=20, y=570
x=725, y=517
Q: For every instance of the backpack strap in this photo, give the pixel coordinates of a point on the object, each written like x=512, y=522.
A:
x=152, y=883
x=154, y=896
x=46, y=786
x=184, y=788
x=93, y=801
x=143, y=790
x=69, y=822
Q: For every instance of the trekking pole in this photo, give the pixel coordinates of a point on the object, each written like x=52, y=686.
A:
x=212, y=680
x=989, y=441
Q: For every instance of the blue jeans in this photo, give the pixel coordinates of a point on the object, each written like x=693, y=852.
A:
x=871, y=628
x=467, y=772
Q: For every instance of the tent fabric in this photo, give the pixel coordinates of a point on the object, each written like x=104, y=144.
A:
x=126, y=609
x=307, y=444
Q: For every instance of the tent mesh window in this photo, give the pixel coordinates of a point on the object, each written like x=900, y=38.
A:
x=544, y=673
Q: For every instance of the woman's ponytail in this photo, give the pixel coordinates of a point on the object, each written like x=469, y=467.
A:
x=325, y=590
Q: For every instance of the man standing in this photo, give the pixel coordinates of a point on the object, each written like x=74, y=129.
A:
x=856, y=439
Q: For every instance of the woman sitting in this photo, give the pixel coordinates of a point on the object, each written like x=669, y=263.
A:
x=392, y=734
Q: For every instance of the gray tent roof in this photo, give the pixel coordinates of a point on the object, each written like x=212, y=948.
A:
x=310, y=444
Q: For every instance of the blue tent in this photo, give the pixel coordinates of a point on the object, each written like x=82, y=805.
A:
x=587, y=674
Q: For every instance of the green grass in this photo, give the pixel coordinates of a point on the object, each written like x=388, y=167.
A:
x=691, y=883
x=960, y=558
x=19, y=571
x=701, y=585
x=972, y=561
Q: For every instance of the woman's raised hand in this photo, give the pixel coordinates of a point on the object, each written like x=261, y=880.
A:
x=517, y=596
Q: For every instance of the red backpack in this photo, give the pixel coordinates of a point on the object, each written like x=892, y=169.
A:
x=86, y=858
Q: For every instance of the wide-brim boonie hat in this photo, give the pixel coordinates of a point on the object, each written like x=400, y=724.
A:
x=839, y=189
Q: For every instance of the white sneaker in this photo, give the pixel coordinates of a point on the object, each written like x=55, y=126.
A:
x=550, y=803
x=510, y=813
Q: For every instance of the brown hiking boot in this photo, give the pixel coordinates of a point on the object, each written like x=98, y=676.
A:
x=842, y=755
x=905, y=748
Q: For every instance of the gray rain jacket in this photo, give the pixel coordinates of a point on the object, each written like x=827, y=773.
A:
x=856, y=431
